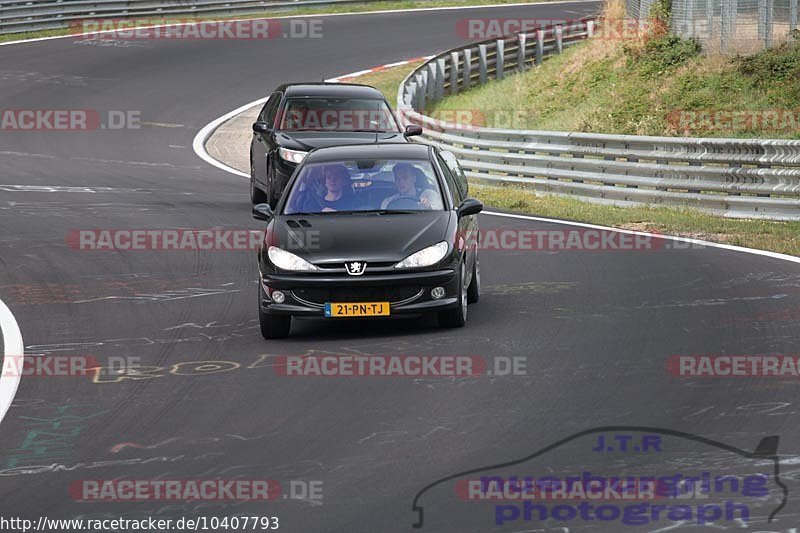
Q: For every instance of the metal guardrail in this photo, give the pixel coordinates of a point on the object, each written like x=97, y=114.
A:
x=733, y=177
x=36, y=15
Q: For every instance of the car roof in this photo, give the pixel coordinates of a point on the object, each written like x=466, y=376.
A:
x=352, y=90
x=369, y=151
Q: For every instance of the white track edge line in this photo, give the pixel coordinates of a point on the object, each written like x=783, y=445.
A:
x=12, y=346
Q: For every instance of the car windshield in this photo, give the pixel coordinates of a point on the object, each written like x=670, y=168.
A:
x=337, y=114
x=378, y=186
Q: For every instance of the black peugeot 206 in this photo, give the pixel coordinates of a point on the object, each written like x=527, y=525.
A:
x=372, y=230
x=299, y=117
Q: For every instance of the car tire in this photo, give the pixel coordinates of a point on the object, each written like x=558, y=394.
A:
x=274, y=326
x=257, y=196
x=474, y=289
x=456, y=318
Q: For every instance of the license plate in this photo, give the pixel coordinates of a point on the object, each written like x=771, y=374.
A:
x=335, y=310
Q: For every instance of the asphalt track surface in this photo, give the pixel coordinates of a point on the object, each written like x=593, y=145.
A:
x=595, y=328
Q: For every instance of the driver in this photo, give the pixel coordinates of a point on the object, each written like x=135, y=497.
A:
x=405, y=181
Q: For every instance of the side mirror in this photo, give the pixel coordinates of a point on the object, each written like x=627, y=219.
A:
x=412, y=130
x=263, y=212
x=470, y=206
x=260, y=127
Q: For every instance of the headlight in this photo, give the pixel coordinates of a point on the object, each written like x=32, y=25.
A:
x=292, y=156
x=425, y=257
x=287, y=260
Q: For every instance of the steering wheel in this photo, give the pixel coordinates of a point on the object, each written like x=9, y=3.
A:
x=404, y=202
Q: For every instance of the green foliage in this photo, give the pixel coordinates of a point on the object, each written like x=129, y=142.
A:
x=661, y=54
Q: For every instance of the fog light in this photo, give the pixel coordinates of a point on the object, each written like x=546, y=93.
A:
x=437, y=293
x=278, y=297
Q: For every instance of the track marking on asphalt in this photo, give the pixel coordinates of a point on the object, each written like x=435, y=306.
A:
x=12, y=346
x=161, y=124
x=318, y=15
x=62, y=188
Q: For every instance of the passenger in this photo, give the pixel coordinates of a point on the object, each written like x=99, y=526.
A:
x=339, y=190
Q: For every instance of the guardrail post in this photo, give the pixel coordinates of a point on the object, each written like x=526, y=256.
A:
x=482, y=63
x=500, y=59
x=467, y=81
x=439, y=85
x=559, y=39
x=792, y=15
x=422, y=90
x=521, y=38
x=539, y=46
x=590, y=28
x=430, y=82
x=453, y=72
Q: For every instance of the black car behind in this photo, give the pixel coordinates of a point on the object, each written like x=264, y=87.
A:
x=300, y=117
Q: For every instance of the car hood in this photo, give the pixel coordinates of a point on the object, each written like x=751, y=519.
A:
x=308, y=140
x=330, y=239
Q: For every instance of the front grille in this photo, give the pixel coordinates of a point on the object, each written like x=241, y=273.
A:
x=370, y=266
x=359, y=294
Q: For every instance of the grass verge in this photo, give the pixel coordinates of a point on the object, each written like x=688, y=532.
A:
x=658, y=86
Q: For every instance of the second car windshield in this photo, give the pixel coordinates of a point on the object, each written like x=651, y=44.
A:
x=337, y=114
x=365, y=186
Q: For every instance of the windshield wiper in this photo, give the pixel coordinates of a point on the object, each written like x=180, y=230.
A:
x=396, y=211
x=364, y=130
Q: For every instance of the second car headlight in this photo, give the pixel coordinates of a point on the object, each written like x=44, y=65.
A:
x=287, y=260
x=425, y=257
x=292, y=156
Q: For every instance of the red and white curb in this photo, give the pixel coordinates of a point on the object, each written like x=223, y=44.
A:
x=387, y=66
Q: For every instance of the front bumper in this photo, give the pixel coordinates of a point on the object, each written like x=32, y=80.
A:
x=408, y=292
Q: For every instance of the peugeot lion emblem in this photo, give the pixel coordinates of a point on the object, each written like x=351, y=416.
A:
x=355, y=268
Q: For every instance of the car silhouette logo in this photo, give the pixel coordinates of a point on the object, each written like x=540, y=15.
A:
x=355, y=268
x=765, y=454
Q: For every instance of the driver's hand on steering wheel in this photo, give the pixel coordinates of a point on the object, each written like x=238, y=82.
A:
x=424, y=202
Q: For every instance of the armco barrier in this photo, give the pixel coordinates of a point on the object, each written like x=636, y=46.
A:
x=19, y=16
x=734, y=177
